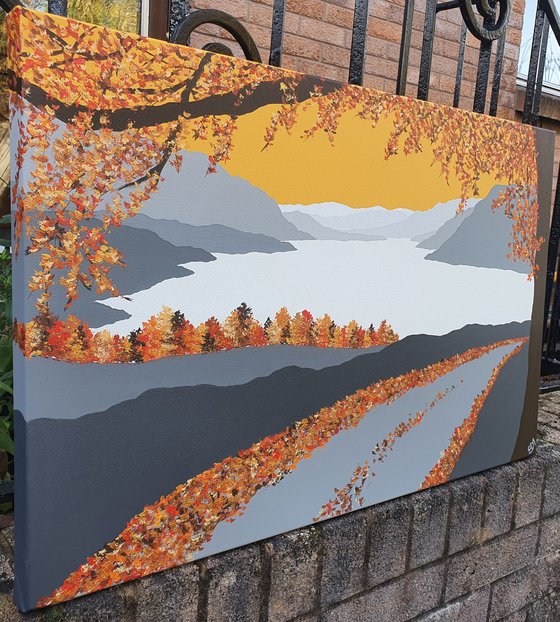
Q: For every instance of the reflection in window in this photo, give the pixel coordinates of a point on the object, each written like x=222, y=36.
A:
x=552, y=64
x=119, y=14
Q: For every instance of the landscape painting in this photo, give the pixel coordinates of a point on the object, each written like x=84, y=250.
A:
x=248, y=300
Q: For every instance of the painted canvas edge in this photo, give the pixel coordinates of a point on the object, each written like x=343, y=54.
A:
x=545, y=140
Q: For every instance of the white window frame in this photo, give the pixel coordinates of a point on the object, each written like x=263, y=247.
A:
x=144, y=17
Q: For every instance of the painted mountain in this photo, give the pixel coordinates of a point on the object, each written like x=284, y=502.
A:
x=478, y=239
x=233, y=317
x=194, y=197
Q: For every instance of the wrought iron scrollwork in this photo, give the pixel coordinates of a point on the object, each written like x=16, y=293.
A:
x=8, y=5
x=495, y=17
x=212, y=16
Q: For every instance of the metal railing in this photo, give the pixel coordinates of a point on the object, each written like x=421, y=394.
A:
x=486, y=20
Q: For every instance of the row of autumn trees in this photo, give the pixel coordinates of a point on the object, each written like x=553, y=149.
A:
x=169, y=333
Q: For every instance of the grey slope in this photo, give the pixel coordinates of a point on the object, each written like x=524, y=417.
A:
x=422, y=236
x=149, y=260
x=308, y=224
x=481, y=240
x=494, y=437
x=446, y=230
x=193, y=197
x=420, y=222
x=212, y=238
x=47, y=378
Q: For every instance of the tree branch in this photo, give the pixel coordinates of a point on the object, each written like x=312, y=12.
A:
x=121, y=119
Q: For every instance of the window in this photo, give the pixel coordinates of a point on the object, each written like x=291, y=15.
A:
x=551, y=80
x=120, y=14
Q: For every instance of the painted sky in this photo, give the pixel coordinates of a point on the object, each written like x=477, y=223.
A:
x=354, y=171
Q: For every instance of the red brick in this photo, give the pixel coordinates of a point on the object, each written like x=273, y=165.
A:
x=237, y=8
x=318, y=37
x=310, y=8
x=260, y=15
x=334, y=55
x=341, y=16
x=322, y=70
x=304, y=48
x=321, y=31
x=389, y=31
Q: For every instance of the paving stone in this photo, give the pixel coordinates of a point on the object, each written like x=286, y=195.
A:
x=234, y=580
x=518, y=616
x=169, y=596
x=465, y=524
x=6, y=562
x=429, y=526
x=344, y=544
x=549, y=418
x=550, y=535
x=472, y=608
x=500, y=493
x=389, y=539
x=550, y=399
x=475, y=568
x=396, y=601
x=550, y=435
x=8, y=611
x=293, y=574
x=529, y=490
x=111, y=605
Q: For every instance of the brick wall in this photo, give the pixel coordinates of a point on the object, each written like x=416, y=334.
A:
x=318, y=34
x=484, y=548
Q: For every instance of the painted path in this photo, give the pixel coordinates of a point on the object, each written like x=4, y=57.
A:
x=298, y=498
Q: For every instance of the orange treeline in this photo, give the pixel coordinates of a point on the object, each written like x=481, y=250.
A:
x=169, y=334
x=170, y=531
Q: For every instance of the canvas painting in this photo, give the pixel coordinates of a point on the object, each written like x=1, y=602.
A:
x=249, y=300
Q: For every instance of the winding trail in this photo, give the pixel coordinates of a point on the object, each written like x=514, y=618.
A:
x=299, y=497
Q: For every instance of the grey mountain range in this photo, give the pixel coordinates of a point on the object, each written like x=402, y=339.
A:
x=149, y=260
x=419, y=222
x=194, y=197
x=434, y=240
x=212, y=238
x=343, y=218
x=375, y=222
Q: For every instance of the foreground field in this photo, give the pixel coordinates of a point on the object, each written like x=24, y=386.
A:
x=179, y=525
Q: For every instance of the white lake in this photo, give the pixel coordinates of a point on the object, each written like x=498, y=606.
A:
x=364, y=281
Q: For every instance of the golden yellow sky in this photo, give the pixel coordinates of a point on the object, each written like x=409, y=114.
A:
x=354, y=171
